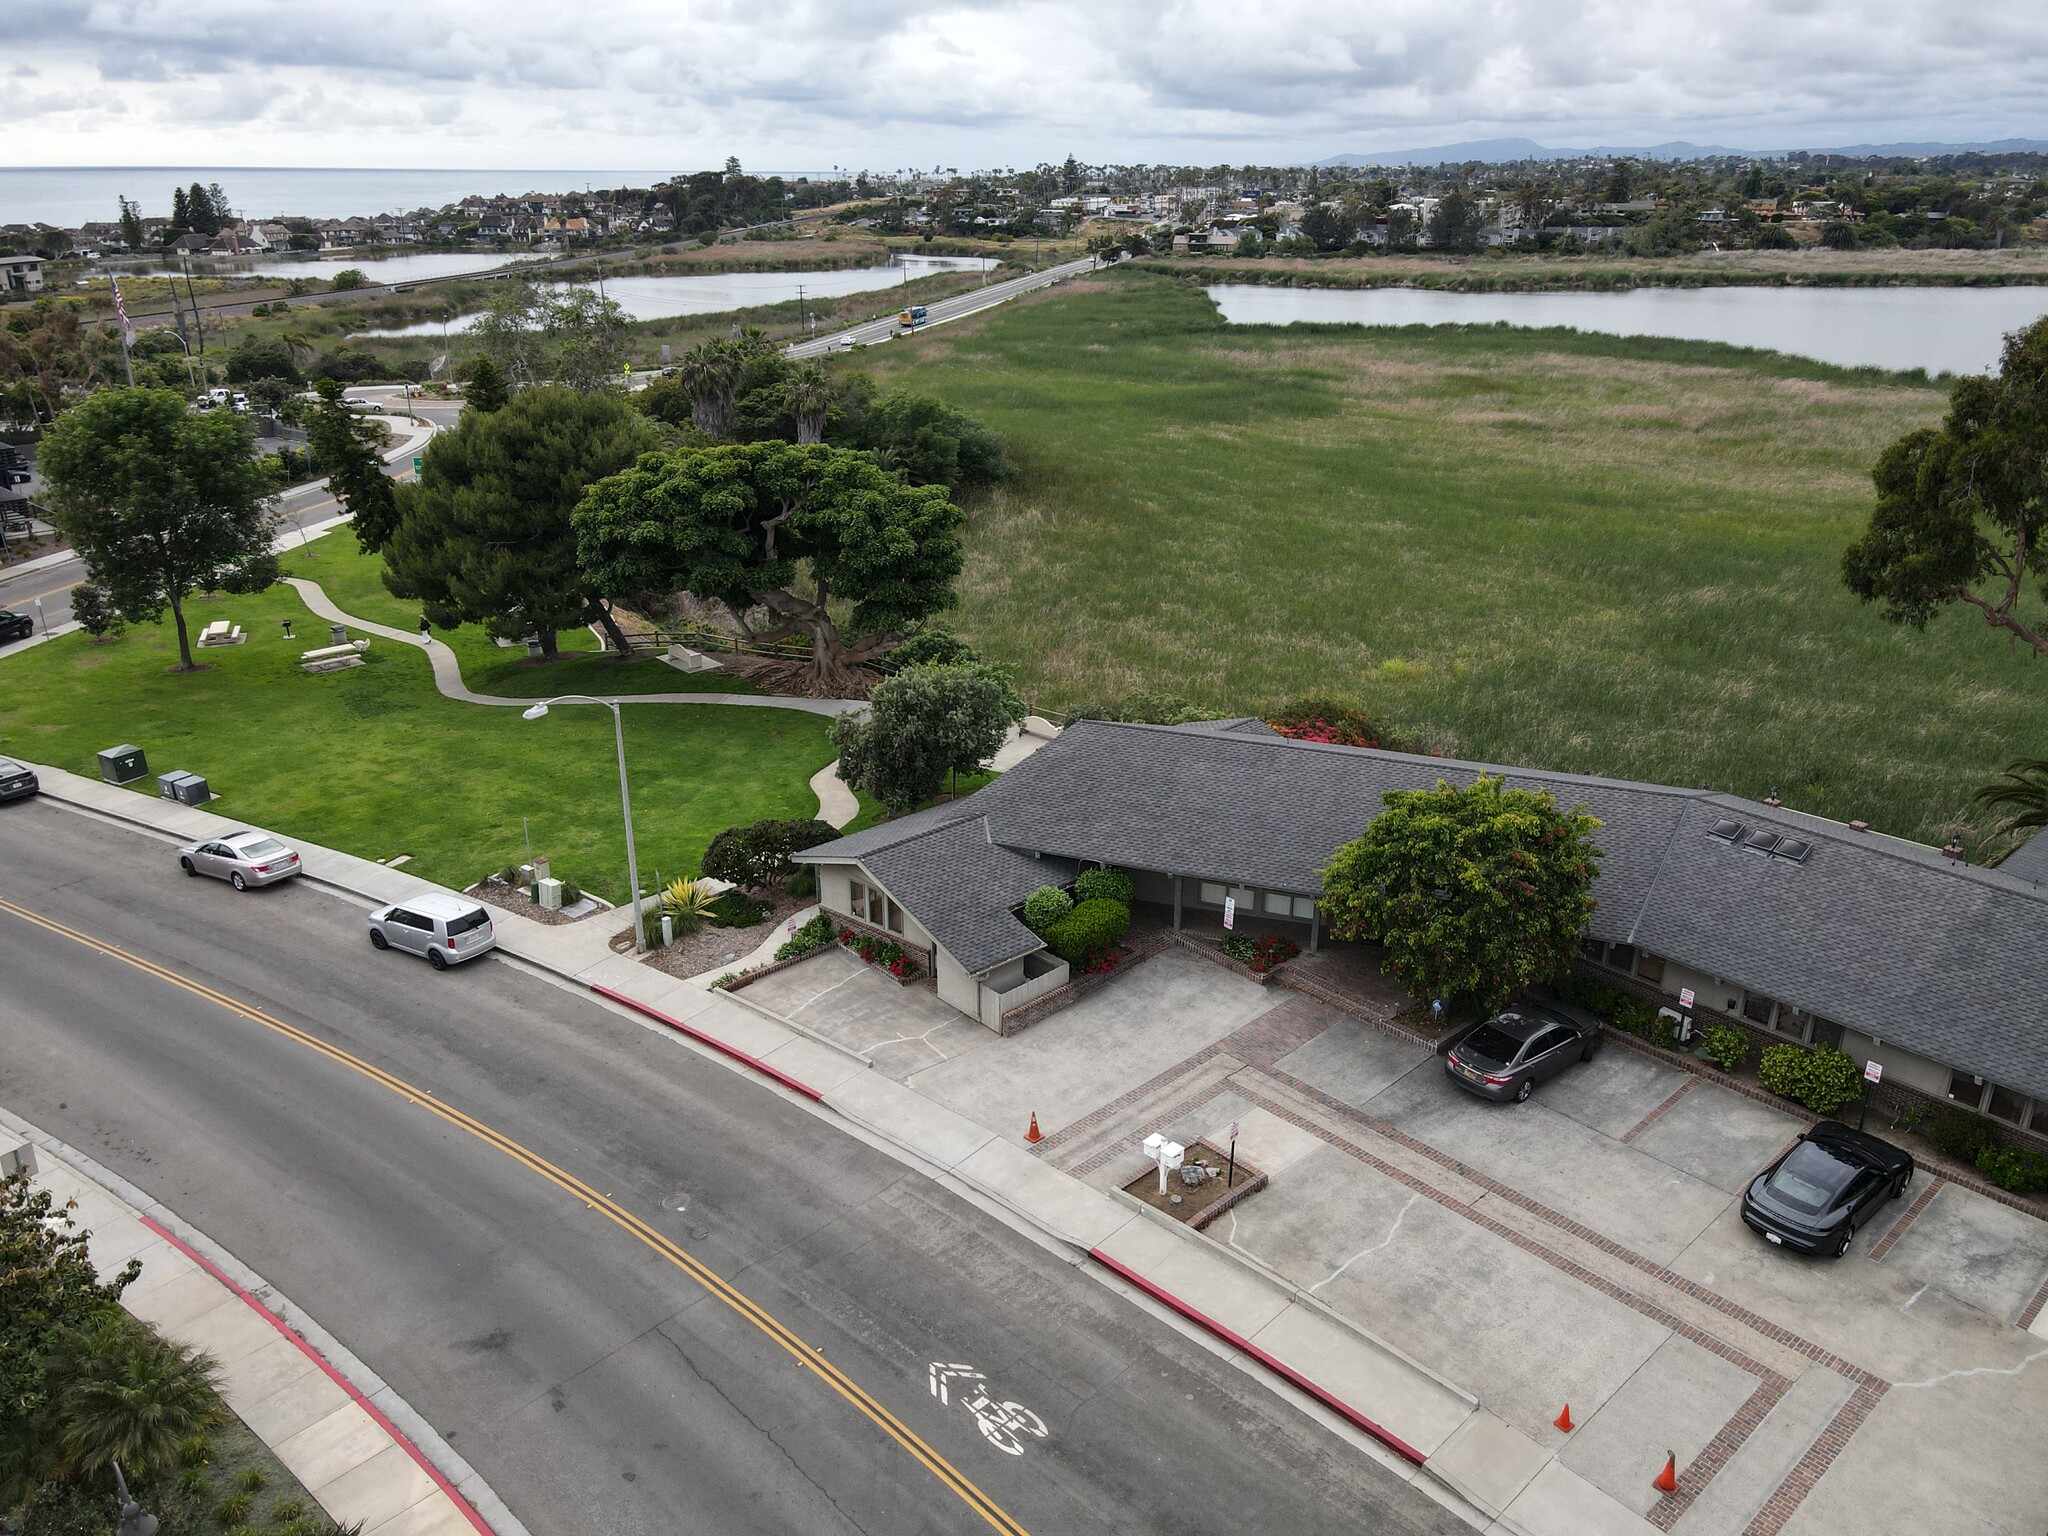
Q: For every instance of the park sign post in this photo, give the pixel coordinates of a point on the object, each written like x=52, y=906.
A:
x=1230, y=911
x=1873, y=1073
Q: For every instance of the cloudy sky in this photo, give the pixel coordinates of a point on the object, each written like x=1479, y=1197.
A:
x=669, y=84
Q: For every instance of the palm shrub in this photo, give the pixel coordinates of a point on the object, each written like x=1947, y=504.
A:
x=1104, y=885
x=1091, y=927
x=687, y=903
x=1046, y=906
x=128, y=1394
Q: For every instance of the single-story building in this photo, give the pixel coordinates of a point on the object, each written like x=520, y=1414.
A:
x=1803, y=928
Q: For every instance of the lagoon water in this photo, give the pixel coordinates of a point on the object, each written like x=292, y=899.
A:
x=710, y=293
x=378, y=269
x=1951, y=330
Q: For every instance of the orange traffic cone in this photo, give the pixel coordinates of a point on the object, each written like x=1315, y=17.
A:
x=1564, y=1420
x=1034, y=1134
x=1667, y=1480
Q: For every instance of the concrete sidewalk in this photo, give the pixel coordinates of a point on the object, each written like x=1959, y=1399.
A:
x=1427, y=1429
x=331, y=1421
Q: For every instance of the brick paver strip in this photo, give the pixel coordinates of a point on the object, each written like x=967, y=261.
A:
x=1819, y=1457
x=2032, y=1309
x=1116, y=1148
x=1658, y=1113
x=1884, y=1244
x=1718, y=1452
x=1096, y=1118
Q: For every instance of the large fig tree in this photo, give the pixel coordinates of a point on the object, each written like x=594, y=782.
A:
x=783, y=531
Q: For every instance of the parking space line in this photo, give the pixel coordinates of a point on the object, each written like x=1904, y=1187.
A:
x=1920, y=1203
x=1657, y=1114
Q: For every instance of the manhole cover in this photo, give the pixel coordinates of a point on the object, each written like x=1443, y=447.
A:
x=676, y=1202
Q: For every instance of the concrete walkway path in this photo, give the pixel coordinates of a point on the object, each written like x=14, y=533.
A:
x=356, y=1446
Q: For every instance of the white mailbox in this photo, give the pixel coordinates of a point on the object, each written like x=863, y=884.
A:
x=1169, y=1155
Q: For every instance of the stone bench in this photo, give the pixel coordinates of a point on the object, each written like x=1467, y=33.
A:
x=354, y=648
x=334, y=663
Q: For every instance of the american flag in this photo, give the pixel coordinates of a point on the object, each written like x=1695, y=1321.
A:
x=127, y=328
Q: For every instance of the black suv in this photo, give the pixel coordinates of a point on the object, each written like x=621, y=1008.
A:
x=1832, y=1182
x=15, y=626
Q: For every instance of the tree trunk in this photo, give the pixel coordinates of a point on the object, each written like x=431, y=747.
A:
x=612, y=630
x=185, y=661
x=547, y=645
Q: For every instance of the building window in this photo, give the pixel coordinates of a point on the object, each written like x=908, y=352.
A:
x=1791, y=1023
x=871, y=906
x=892, y=916
x=1244, y=896
x=857, y=899
x=1966, y=1090
x=1622, y=957
x=1212, y=893
x=1593, y=949
x=1757, y=1008
x=1826, y=1032
x=1305, y=908
x=2006, y=1105
x=1278, y=904
x=1651, y=968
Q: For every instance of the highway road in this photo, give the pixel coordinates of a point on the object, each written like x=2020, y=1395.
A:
x=961, y=305
x=582, y=1251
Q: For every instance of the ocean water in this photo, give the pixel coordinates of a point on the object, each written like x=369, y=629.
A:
x=69, y=196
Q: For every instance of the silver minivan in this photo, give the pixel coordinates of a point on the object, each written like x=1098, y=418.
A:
x=446, y=929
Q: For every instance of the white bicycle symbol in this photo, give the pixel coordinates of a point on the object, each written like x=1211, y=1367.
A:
x=1003, y=1425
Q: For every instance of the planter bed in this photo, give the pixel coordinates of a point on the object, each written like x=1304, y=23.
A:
x=712, y=948
x=1197, y=1207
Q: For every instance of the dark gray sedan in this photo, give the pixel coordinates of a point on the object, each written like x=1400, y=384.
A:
x=17, y=780
x=1507, y=1056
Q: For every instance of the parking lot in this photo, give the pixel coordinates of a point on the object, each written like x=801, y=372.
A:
x=1583, y=1248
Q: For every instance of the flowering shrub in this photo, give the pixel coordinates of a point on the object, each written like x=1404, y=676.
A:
x=1101, y=962
x=886, y=953
x=1260, y=955
x=815, y=934
x=1328, y=721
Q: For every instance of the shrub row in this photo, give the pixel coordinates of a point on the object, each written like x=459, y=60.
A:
x=1260, y=955
x=1092, y=926
x=1621, y=1010
x=1822, y=1078
x=886, y=953
x=814, y=935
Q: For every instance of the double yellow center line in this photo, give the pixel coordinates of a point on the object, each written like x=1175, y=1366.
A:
x=804, y=1354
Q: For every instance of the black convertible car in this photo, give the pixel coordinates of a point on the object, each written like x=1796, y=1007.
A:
x=1832, y=1181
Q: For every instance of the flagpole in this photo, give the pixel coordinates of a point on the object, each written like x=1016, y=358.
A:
x=127, y=330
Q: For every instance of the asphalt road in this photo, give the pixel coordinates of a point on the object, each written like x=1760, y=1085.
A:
x=958, y=307
x=595, y=1381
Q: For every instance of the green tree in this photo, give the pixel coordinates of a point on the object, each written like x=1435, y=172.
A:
x=743, y=523
x=349, y=448
x=485, y=389
x=921, y=726
x=1327, y=227
x=585, y=338
x=48, y=1287
x=1454, y=223
x=932, y=443
x=710, y=374
x=1962, y=510
x=808, y=396
x=96, y=616
x=1476, y=893
x=181, y=214
x=485, y=536
x=131, y=225
x=347, y=280
x=160, y=503
x=254, y=360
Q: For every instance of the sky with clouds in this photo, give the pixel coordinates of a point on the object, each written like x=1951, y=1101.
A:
x=801, y=85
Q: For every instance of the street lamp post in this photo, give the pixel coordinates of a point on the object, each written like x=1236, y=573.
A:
x=539, y=711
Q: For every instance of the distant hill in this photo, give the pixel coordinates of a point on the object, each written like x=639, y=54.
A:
x=1497, y=151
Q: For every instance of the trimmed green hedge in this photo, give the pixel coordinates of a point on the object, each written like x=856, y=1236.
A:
x=1104, y=885
x=1727, y=1046
x=2018, y=1169
x=1044, y=907
x=1091, y=927
x=1823, y=1078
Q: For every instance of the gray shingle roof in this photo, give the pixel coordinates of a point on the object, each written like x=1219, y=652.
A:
x=1882, y=935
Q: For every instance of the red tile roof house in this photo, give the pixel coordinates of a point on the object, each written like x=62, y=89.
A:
x=1800, y=927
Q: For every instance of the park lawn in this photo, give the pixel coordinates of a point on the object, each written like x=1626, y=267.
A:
x=375, y=762
x=355, y=582
x=1602, y=555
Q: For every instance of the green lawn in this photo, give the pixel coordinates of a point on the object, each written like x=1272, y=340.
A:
x=375, y=762
x=355, y=582
x=1587, y=553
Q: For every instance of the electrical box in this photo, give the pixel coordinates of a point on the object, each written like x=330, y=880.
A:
x=123, y=765
x=185, y=788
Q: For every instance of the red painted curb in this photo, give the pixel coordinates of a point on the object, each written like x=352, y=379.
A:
x=760, y=1066
x=1328, y=1399
x=341, y=1381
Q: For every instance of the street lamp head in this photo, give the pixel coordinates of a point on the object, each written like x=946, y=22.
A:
x=533, y=712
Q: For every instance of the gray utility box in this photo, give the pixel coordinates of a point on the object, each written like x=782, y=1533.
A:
x=123, y=765
x=185, y=788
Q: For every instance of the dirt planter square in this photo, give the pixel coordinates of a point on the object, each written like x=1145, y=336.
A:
x=1202, y=1204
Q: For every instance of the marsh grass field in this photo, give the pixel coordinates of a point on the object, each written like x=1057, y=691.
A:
x=1597, y=554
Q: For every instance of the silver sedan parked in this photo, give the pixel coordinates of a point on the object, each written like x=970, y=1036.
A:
x=242, y=859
